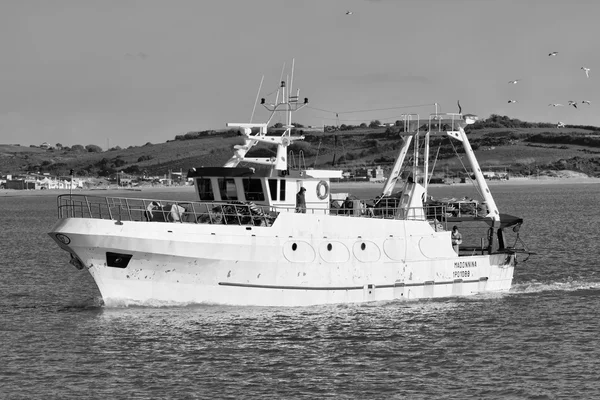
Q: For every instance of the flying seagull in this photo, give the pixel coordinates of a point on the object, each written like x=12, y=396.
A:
x=555, y=105
x=573, y=103
x=512, y=101
x=514, y=82
x=560, y=124
x=586, y=102
x=587, y=71
x=553, y=53
x=348, y=12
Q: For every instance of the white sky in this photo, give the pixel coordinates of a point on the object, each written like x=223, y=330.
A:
x=131, y=72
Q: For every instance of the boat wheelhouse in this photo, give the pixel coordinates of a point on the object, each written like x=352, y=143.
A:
x=266, y=188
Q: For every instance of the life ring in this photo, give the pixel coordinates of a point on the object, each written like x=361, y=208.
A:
x=322, y=190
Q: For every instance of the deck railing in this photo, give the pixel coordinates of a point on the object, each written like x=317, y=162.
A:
x=445, y=122
x=228, y=213
x=133, y=209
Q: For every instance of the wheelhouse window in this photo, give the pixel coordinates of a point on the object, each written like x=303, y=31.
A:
x=227, y=189
x=273, y=188
x=282, y=189
x=253, y=190
x=204, y=188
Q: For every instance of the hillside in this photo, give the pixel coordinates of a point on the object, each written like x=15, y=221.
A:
x=519, y=150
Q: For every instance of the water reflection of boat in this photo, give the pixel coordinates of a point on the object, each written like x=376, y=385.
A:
x=246, y=241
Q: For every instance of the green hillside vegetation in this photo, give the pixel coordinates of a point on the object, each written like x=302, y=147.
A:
x=521, y=148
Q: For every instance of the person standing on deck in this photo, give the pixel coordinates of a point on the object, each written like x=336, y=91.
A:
x=301, y=201
x=456, y=238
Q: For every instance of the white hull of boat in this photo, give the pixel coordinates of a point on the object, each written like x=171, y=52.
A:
x=300, y=260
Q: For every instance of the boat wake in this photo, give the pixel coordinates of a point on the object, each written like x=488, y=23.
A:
x=569, y=285
x=129, y=303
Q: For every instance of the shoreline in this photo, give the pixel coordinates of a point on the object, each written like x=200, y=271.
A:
x=102, y=192
x=166, y=189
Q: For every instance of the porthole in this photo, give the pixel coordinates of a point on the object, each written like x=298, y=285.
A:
x=294, y=246
x=363, y=246
x=329, y=247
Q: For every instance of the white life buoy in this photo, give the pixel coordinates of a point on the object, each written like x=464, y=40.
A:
x=322, y=190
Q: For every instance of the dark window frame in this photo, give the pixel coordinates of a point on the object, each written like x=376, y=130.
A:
x=253, y=189
x=204, y=188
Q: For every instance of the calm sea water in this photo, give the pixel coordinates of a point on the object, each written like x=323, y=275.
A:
x=539, y=341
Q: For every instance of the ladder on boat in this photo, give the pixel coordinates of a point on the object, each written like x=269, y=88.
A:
x=301, y=160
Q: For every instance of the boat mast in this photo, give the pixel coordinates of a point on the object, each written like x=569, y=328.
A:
x=415, y=169
x=426, y=153
x=408, y=135
x=288, y=105
x=389, y=184
x=483, y=187
x=426, y=163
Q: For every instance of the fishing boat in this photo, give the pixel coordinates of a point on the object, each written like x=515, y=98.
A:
x=247, y=241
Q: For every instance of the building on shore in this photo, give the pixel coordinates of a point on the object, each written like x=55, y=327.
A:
x=40, y=182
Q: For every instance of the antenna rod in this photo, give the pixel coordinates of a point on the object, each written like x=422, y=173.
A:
x=256, y=100
x=280, y=79
x=288, y=111
x=292, y=79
